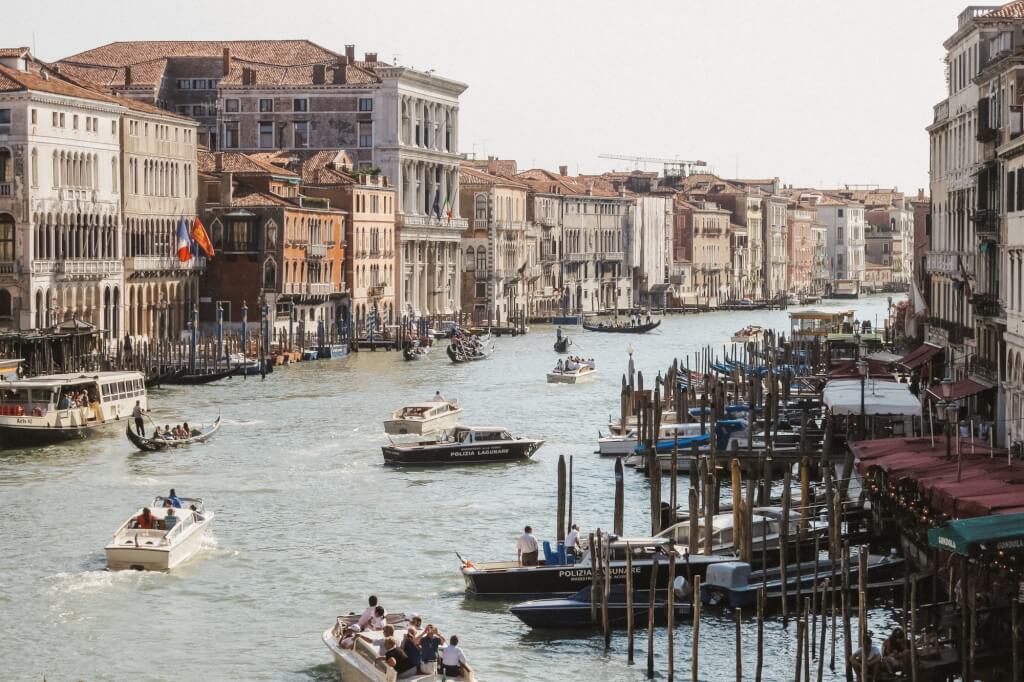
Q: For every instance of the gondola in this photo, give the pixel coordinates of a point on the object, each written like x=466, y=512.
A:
x=633, y=329
x=483, y=352
x=562, y=343
x=200, y=378
x=161, y=378
x=415, y=351
x=156, y=444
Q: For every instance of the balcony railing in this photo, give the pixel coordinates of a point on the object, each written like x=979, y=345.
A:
x=986, y=220
x=151, y=263
x=78, y=268
x=376, y=291
x=321, y=288
x=986, y=305
x=431, y=221
x=949, y=262
x=983, y=368
x=316, y=250
x=6, y=189
x=611, y=255
x=956, y=331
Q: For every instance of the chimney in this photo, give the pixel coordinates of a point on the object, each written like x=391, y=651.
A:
x=341, y=71
x=563, y=170
x=920, y=194
x=218, y=161
x=370, y=57
x=350, y=53
x=227, y=190
x=227, y=60
x=319, y=74
x=127, y=76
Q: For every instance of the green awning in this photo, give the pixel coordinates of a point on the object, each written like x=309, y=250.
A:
x=970, y=536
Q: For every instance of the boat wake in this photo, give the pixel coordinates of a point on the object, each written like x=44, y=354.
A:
x=102, y=580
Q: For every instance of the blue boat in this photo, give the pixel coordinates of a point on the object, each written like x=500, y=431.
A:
x=724, y=429
x=574, y=611
x=333, y=351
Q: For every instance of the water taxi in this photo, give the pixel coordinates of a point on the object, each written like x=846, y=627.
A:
x=423, y=418
x=155, y=548
x=751, y=332
x=572, y=372
x=58, y=407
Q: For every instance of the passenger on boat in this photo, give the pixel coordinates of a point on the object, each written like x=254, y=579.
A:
x=364, y=620
x=173, y=498
x=349, y=636
x=874, y=658
x=388, y=631
x=64, y=402
x=396, y=658
x=157, y=433
x=379, y=618
x=572, y=541
x=167, y=434
x=144, y=520
x=411, y=648
x=453, y=660
x=170, y=519
x=560, y=367
x=430, y=641
x=417, y=623
x=526, y=548
x=438, y=398
x=195, y=512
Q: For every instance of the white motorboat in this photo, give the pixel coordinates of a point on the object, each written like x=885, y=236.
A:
x=572, y=372
x=157, y=549
x=422, y=418
x=57, y=407
x=626, y=444
x=358, y=662
x=751, y=332
x=766, y=527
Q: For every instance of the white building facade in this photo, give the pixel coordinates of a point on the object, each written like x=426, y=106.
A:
x=844, y=223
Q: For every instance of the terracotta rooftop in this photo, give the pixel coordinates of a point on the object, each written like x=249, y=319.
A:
x=246, y=197
x=505, y=167
x=272, y=75
x=13, y=51
x=144, y=74
x=12, y=80
x=315, y=167
x=468, y=175
x=236, y=162
x=275, y=52
x=1011, y=10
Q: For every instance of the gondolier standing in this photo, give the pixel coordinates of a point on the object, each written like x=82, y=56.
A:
x=526, y=548
x=137, y=413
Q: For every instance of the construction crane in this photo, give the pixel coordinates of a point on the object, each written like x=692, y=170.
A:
x=671, y=167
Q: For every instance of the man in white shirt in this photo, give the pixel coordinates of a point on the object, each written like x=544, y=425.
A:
x=453, y=660
x=526, y=548
x=572, y=541
x=364, y=620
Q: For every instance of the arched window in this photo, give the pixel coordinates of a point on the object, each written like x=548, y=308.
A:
x=470, y=258
x=269, y=274
x=217, y=234
x=6, y=238
x=6, y=304
x=480, y=211
x=481, y=259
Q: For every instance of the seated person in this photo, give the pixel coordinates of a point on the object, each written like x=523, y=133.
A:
x=393, y=652
x=379, y=618
x=145, y=520
x=168, y=434
x=158, y=434
x=874, y=659
x=195, y=511
x=453, y=660
x=170, y=519
x=895, y=651
x=349, y=636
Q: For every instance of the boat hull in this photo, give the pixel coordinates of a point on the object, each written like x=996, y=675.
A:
x=155, y=445
x=22, y=436
x=157, y=558
x=570, y=377
x=636, y=329
x=570, y=613
x=457, y=453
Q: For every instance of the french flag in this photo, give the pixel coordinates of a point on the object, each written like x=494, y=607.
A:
x=184, y=241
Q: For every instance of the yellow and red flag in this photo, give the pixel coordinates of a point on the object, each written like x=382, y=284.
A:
x=200, y=237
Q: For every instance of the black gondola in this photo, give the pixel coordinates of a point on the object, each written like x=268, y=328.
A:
x=482, y=352
x=465, y=445
x=562, y=343
x=200, y=378
x=415, y=351
x=631, y=329
x=574, y=611
x=157, y=444
x=161, y=378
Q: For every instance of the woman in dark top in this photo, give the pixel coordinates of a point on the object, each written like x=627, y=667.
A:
x=411, y=648
x=395, y=653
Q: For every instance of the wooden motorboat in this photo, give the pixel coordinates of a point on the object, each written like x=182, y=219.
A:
x=574, y=611
x=201, y=377
x=571, y=373
x=156, y=549
x=464, y=445
x=622, y=329
x=58, y=407
x=155, y=444
x=421, y=418
x=751, y=332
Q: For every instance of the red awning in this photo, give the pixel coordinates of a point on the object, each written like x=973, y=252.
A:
x=919, y=356
x=956, y=391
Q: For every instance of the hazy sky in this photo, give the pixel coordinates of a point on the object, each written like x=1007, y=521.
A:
x=815, y=92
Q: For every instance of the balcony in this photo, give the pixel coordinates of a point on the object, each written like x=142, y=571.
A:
x=986, y=221
x=431, y=221
x=163, y=263
x=316, y=250
x=956, y=332
x=6, y=189
x=376, y=291
x=578, y=257
x=940, y=111
x=611, y=255
x=78, y=269
x=948, y=263
x=8, y=267
x=986, y=305
x=983, y=368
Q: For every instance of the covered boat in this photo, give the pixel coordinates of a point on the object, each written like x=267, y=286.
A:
x=420, y=418
x=155, y=444
x=464, y=445
x=574, y=611
x=156, y=548
x=47, y=409
x=622, y=328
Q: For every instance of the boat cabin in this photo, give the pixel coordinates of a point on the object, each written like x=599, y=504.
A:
x=479, y=434
x=424, y=410
x=78, y=398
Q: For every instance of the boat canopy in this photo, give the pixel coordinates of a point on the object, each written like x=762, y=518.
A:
x=843, y=396
x=969, y=537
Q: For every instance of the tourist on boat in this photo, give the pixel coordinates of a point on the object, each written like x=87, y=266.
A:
x=572, y=541
x=64, y=403
x=395, y=657
x=526, y=548
x=137, y=412
x=144, y=520
x=188, y=430
x=438, y=398
x=170, y=519
x=364, y=620
x=417, y=623
x=430, y=641
x=173, y=498
x=196, y=513
x=379, y=618
x=387, y=631
x=157, y=433
x=895, y=651
x=167, y=434
x=874, y=658
x=411, y=648
x=349, y=636
x=453, y=660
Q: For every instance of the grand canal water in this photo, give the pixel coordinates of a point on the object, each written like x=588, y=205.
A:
x=309, y=522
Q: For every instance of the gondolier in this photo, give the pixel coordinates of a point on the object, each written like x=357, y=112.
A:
x=527, y=548
x=137, y=412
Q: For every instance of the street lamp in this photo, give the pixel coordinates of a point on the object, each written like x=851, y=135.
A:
x=862, y=370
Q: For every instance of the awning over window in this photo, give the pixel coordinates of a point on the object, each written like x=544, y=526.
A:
x=919, y=356
x=959, y=390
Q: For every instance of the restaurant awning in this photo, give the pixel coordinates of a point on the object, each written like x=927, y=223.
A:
x=843, y=396
x=919, y=356
x=968, y=536
x=959, y=390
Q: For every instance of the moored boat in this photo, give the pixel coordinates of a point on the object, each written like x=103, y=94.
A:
x=47, y=409
x=199, y=378
x=421, y=418
x=463, y=445
x=574, y=611
x=155, y=548
x=155, y=444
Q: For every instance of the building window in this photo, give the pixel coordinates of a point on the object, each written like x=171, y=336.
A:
x=481, y=259
x=365, y=134
x=266, y=135
x=199, y=110
x=300, y=104
x=840, y=213
x=74, y=122
x=184, y=84
x=55, y=120
x=839, y=235
x=480, y=208
x=63, y=122
x=266, y=105
x=184, y=109
x=302, y=133
x=365, y=104
x=6, y=238
x=33, y=116
x=240, y=236
x=35, y=167
x=231, y=106
x=231, y=135
x=470, y=258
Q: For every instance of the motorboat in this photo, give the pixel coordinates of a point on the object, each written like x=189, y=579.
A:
x=156, y=549
x=463, y=445
x=57, y=407
x=333, y=351
x=625, y=444
x=572, y=372
x=751, y=332
x=157, y=444
x=622, y=328
x=422, y=418
x=574, y=611
x=244, y=366
x=734, y=584
x=557, y=574
x=619, y=427
x=356, y=657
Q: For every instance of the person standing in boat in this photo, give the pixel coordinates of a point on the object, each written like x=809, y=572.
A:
x=364, y=620
x=526, y=548
x=572, y=541
x=137, y=412
x=438, y=398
